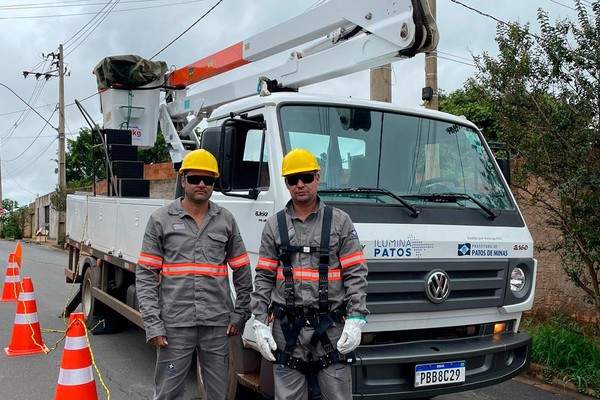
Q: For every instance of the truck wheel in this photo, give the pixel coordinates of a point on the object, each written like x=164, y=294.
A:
x=98, y=317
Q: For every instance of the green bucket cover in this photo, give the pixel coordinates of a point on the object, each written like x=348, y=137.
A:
x=129, y=71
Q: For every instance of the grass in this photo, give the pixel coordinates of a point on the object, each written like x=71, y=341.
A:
x=568, y=350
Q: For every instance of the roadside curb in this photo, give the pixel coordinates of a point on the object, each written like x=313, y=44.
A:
x=537, y=375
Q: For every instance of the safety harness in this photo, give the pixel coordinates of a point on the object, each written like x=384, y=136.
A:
x=292, y=318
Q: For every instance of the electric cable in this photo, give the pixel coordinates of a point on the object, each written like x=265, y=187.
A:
x=33, y=141
x=185, y=31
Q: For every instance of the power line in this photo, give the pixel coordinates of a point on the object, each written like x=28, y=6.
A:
x=457, y=61
x=65, y=4
x=27, y=104
x=32, y=142
x=25, y=165
x=561, y=4
x=92, y=13
x=480, y=12
x=93, y=26
x=455, y=56
x=66, y=42
x=184, y=32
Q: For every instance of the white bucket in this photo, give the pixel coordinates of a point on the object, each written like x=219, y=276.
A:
x=136, y=110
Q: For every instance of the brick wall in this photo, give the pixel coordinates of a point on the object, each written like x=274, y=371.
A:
x=155, y=173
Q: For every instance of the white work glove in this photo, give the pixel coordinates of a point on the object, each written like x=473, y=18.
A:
x=350, y=338
x=264, y=340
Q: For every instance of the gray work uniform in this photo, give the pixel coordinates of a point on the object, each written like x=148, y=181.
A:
x=347, y=282
x=182, y=284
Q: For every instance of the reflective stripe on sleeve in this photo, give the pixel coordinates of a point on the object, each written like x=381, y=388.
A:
x=238, y=262
x=352, y=259
x=12, y=278
x=267, y=263
x=150, y=260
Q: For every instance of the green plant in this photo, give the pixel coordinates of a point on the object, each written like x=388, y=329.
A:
x=567, y=350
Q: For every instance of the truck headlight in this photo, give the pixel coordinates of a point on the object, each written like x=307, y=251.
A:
x=517, y=279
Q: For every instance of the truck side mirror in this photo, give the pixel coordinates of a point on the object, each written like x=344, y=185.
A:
x=213, y=139
x=502, y=156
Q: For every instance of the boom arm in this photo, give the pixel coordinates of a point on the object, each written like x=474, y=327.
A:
x=339, y=37
x=354, y=35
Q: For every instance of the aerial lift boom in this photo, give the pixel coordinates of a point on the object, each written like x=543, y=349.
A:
x=339, y=37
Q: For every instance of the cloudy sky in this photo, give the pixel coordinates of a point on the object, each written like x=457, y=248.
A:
x=32, y=29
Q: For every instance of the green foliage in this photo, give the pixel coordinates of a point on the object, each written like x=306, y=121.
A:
x=544, y=95
x=58, y=199
x=158, y=154
x=473, y=102
x=567, y=351
x=13, y=219
x=78, y=158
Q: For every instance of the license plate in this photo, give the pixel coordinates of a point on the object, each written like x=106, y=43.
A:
x=439, y=374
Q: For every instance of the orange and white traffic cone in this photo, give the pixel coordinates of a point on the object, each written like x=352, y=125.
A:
x=76, y=377
x=12, y=280
x=26, y=334
x=18, y=253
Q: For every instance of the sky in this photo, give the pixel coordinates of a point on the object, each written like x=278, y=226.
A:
x=33, y=29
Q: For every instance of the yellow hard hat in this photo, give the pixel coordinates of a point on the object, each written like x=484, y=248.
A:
x=200, y=159
x=297, y=161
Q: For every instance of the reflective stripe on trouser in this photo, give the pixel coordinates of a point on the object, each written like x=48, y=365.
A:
x=335, y=381
x=174, y=361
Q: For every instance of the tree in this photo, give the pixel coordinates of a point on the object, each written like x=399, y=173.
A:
x=158, y=154
x=13, y=219
x=78, y=160
x=545, y=98
x=473, y=102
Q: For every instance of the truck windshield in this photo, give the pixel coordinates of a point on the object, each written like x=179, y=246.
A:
x=408, y=155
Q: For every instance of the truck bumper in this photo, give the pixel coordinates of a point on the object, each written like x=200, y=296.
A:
x=388, y=371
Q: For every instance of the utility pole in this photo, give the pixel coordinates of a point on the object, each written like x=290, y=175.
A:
x=62, y=177
x=381, y=83
x=430, y=91
x=62, y=181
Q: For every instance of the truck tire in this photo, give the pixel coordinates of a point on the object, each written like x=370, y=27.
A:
x=99, y=318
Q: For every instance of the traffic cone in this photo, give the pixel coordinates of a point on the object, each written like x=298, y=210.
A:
x=12, y=280
x=26, y=334
x=18, y=253
x=76, y=377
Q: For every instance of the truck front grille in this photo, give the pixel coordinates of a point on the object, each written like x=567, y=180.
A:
x=397, y=286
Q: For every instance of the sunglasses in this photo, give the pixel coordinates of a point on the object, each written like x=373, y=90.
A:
x=292, y=180
x=196, y=179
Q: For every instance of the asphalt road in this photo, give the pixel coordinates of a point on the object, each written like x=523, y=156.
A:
x=125, y=362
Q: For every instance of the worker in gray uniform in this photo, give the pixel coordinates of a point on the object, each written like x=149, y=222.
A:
x=310, y=283
x=183, y=286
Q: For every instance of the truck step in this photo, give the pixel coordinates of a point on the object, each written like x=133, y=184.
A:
x=251, y=381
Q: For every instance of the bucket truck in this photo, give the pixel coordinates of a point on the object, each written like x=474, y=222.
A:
x=450, y=258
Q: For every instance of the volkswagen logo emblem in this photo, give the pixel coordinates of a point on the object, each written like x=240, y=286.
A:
x=437, y=286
